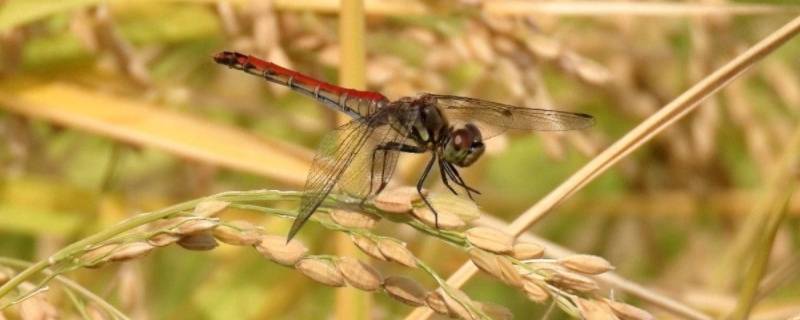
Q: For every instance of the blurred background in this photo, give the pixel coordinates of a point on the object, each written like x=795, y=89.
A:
x=111, y=108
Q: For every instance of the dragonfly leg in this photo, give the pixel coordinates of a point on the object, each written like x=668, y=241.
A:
x=454, y=173
x=386, y=147
x=372, y=177
x=419, y=190
x=445, y=175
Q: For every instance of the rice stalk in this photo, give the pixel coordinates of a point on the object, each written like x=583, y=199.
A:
x=195, y=226
x=611, y=279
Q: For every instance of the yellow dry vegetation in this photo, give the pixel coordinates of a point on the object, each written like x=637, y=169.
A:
x=147, y=125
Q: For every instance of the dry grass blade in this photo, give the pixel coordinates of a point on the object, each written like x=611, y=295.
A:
x=146, y=125
x=784, y=184
x=371, y=7
x=642, y=133
x=609, y=8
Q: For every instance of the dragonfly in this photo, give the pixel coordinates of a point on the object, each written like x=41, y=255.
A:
x=360, y=156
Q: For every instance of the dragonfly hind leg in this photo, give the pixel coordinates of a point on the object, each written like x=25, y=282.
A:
x=385, y=148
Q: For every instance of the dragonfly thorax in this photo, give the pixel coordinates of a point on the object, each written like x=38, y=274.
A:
x=460, y=145
x=463, y=146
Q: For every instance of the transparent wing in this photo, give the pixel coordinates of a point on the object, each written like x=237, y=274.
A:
x=494, y=118
x=346, y=160
x=336, y=152
x=372, y=166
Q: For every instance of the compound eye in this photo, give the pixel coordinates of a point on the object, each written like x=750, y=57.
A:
x=462, y=139
x=475, y=133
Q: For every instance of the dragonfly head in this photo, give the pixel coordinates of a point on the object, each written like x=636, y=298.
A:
x=464, y=146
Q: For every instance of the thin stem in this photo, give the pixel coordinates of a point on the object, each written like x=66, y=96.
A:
x=131, y=223
x=784, y=185
x=71, y=285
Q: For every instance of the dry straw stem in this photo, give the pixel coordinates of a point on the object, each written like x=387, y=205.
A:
x=784, y=184
x=351, y=304
x=523, y=7
x=642, y=133
x=607, y=8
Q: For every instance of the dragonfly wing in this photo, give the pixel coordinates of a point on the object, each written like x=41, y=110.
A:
x=494, y=118
x=335, y=154
x=371, y=166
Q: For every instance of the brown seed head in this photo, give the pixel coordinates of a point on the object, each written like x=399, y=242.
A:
x=354, y=219
x=527, y=250
x=497, y=266
x=628, y=312
x=130, y=251
x=478, y=44
x=163, y=239
x=397, y=252
x=405, y=290
x=455, y=306
x=490, y=239
x=591, y=71
x=447, y=220
x=238, y=233
x=358, y=274
x=594, y=309
x=396, y=200
x=485, y=261
x=320, y=270
x=209, y=208
x=508, y=273
x=435, y=301
x=572, y=281
x=464, y=209
x=542, y=46
x=198, y=241
x=368, y=246
x=38, y=308
x=96, y=256
x=276, y=249
x=534, y=290
x=586, y=264
x=191, y=226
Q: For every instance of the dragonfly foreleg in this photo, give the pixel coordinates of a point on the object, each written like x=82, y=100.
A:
x=445, y=175
x=419, y=190
x=457, y=178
